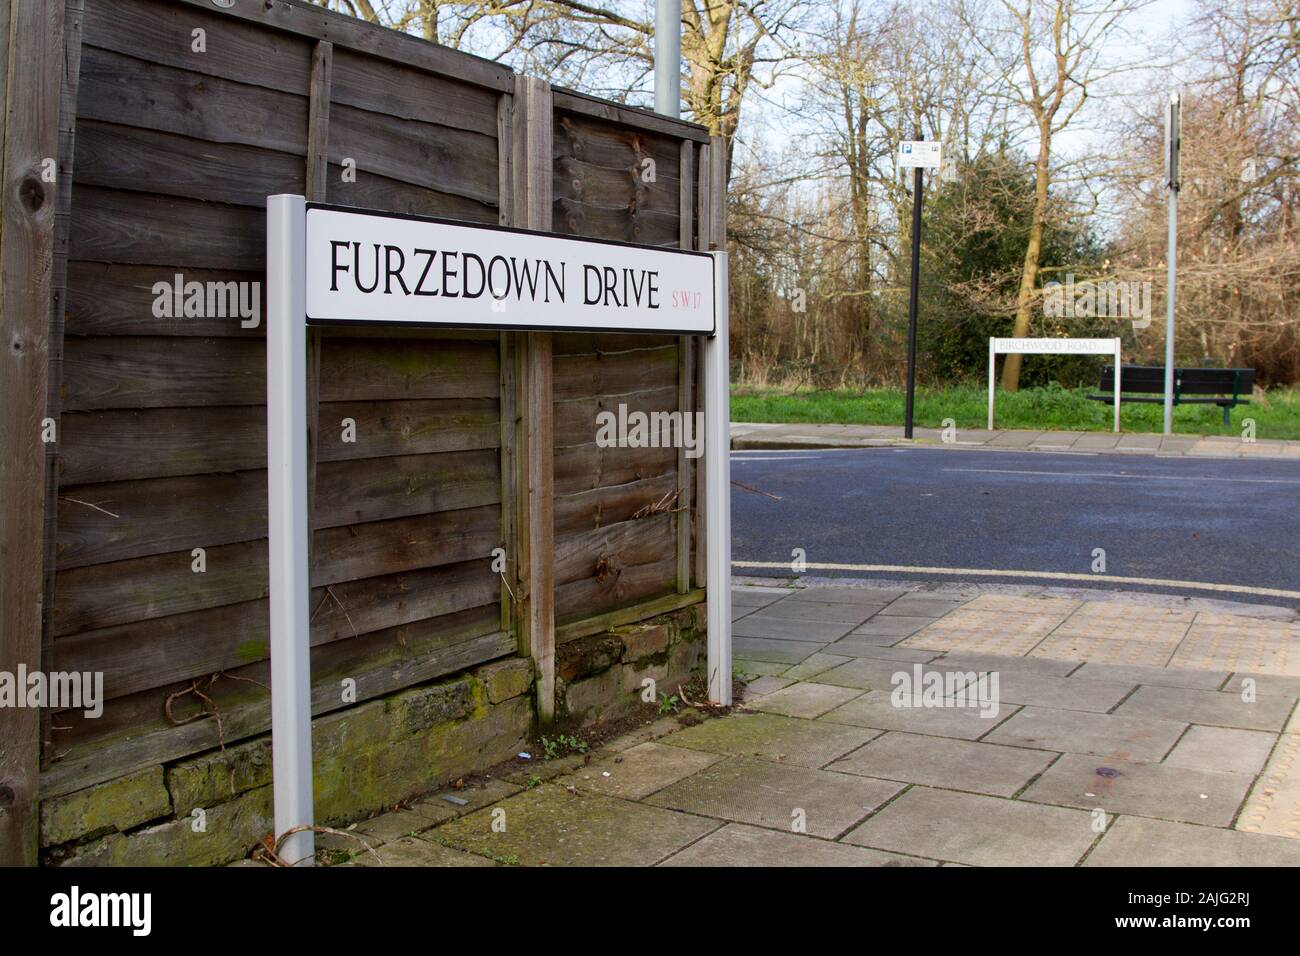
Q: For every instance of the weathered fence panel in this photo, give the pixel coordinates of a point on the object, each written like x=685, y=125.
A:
x=429, y=449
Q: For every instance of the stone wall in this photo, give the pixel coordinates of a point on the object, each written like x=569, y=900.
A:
x=601, y=676
x=214, y=808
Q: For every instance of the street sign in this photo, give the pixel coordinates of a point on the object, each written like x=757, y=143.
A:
x=337, y=264
x=377, y=268
x=920, y=154
x=1108, y=347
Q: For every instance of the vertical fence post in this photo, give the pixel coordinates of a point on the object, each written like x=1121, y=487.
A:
x=532, y=210
x=717, y=450
x=287, y=529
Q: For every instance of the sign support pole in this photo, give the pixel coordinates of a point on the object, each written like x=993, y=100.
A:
x=911, y=301
x=287, y=523
x=717, y=471
x=1173, y=148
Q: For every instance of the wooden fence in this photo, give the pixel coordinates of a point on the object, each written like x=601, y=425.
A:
x=141, y=553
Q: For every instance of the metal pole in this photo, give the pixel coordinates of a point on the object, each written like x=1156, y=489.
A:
x=911, y=302
x=717, y=496
x=286, y=474
x=992, y=362
x=1172, y=150
x=668, y=57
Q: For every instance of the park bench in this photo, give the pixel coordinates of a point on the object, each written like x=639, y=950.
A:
x=1224, y=387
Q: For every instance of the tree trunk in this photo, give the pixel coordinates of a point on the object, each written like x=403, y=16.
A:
x=1033, y=250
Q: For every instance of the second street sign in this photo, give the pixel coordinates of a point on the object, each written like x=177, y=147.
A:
x=367, y=267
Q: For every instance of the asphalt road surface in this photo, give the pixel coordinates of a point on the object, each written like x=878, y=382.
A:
x=1173, y=519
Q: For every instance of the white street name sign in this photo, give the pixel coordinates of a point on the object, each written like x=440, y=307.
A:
x=365, y=267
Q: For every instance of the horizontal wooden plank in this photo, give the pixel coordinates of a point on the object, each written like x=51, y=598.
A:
x=615, y=147
x=132, y=733
x=140, y=589
x=119, y=444
x=309, y=20
x=576, y=421
x=602, y=222
x=616, y=373
x=147, y=372
x=583, y=467
x=141, y=655
x=378, y=369
x=573, y=101
x=380, y=86
x=584, y=343
x=630, y=614
x=143, y=160
x=125, y=90
x=114, y=521
x=452, y=161
x=625, y=189
x=108, y=298
x=113, y=225
x=605, y=552
x=598, y=507
x=580, y=599
x=162, y=32
x=372, y=191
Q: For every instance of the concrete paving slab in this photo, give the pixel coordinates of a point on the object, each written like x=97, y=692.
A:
x=1274, y=804
x=1137, y=841
x=1006, y=664
x=1207, y=707
x=753, y=668
x=435, y=809
x=738, y=844
x=639, y=771
x=1160, y=676
x=1222, y=749
x=945, y=763
x=781, y=629
x=865, y=673
x=978, y=830
x=769, y=649
x=803, y=743
x=846, y=595
x=891, y=629
x=876, y=709
x=1065, y=693
x=1014, y=604
x=1144, y=789
x=412, y=851
x=814, y=665
x=757, y=597
x=1074, y=731
x=806, y=699
x=1236, y=642
x=989, y=632
x=772, y=795
x=851, y=614
x=851, y=647
x=917, y=604
x=1270, y=684
x=765, y=685
x=560, y=827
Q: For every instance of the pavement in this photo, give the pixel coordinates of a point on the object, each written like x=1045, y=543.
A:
x=767, y=436
x=926, y=726
x=1217, y=527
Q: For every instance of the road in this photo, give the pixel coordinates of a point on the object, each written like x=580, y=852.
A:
x=1226, y=522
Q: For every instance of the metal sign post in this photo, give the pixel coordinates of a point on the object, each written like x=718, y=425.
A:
x=1173, y=147
x=1109, y=347
x=918, y=155
x=338, y=265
